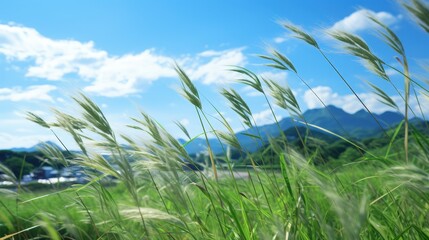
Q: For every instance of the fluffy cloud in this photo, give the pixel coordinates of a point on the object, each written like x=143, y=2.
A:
x=265, y=117
x=53, y=58
x=279, y=39
x=358, y=21
x=349, y=103
x=13, y=140
x=184, y=121
x=108, y=75
x=118, y=76
x=279, y=77
x=38, y=92
x=212, y=66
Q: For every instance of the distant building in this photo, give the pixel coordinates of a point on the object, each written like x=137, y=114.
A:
x=45, y=172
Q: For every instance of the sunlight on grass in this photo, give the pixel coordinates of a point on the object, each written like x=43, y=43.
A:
x=284, y=190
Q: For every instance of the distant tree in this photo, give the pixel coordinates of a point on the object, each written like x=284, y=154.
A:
x=350, y=154
x=15, y=164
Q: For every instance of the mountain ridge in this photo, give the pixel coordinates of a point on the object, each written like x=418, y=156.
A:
x=358, y=125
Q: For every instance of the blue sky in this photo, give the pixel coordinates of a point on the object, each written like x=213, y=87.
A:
x=121, y=53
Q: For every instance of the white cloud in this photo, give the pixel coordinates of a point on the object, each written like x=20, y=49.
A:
x=8, y=141
x=119, y=76
x=279, y=39
x=250, y=91
x=37, y=92
x=215, y=70
x=53, y=58
x=390, y=72
x=108, y=75
x=23, y=114
x=185, y=122
x=265, y=117
x=351, y=104
x=358, y=21
x=279, y=77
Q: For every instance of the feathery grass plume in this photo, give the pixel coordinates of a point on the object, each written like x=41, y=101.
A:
x=63, y=119
x=359, y=48
x=395, y=43
x=97, y=162
x=183, y=129
x=280, y=61
x=188, y=91
x=420, y=11
x=284, y=97
x=98, y=123
x=133, y=213
x=389, y=36
x=238, y=105
x=74, y=127
x=283, y=63
x=53, y=155
x=229, y=137
x=300, y=34
x=356, y=46
x=252, y=80
x=162, y=137
x=255, y=83
x=38, y=120
x=372, y=61
x=384, y=98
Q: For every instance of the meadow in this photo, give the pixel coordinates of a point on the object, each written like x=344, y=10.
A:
x=144, y=192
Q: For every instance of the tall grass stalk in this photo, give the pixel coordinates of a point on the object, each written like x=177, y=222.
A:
x=142, y=190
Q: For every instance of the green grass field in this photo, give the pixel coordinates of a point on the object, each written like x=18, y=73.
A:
x=383, y=194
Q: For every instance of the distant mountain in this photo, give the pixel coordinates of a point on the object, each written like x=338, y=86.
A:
x=358, y=125
x=200, y=145
x=35, y=147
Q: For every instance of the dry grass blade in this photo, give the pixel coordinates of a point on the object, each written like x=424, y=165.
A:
x=420, y=11
x=189, y=91
x=299, y=33
x=238, y=105
x=385, y=99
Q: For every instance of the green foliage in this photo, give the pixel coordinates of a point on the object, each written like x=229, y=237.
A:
x=18, y=166
x=365, y=191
